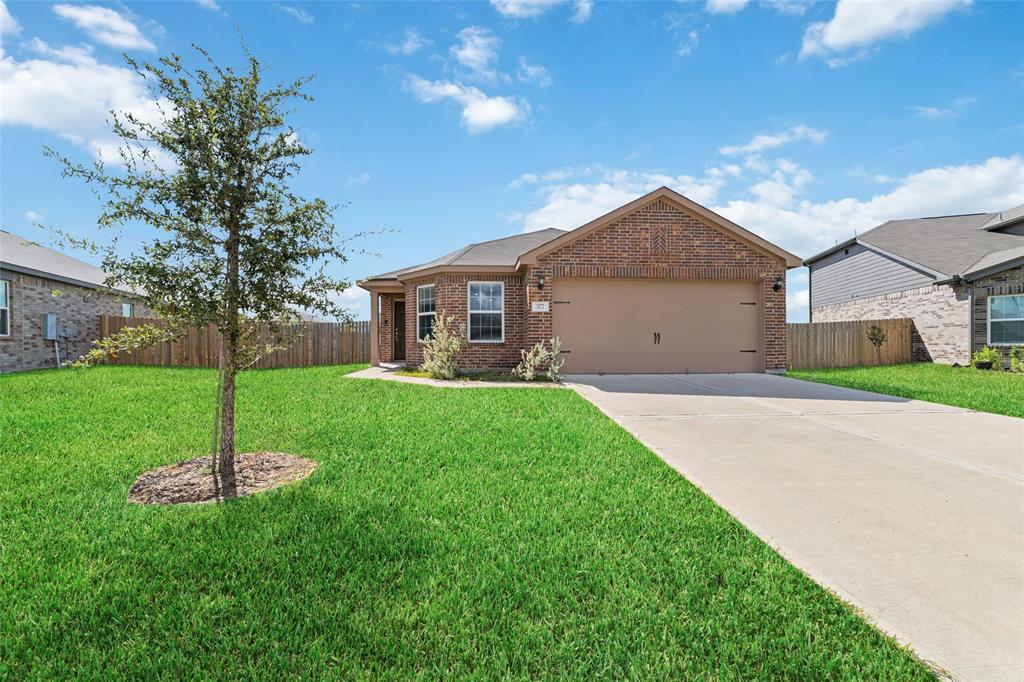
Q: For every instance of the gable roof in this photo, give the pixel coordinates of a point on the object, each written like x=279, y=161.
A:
x=20, y=254
x=946, y=245
x=685, y=205
x=510, y=253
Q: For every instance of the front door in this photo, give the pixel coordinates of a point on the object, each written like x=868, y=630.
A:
x=399, y=330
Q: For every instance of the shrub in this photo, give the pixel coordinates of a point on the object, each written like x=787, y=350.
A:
x=1017, y=359
x=442, y=347
x=877, y=336
x=988, y=354
x=540, y=359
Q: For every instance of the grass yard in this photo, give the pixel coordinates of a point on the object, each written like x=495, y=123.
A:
x=486, y=533
x=976, y=389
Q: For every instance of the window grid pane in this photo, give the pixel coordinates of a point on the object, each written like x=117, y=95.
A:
x=1007, y=307
x=425, y=299
x=425, y=326
x=1006, y=332
x=4, y=322
x=485, y=327
x=3, y=294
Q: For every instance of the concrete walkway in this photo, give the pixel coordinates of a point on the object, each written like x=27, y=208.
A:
x=388, y=374
x=912, y=511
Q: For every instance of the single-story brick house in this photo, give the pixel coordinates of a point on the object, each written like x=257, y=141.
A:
x=959, y=277
x=51, y=303
x=661, y=284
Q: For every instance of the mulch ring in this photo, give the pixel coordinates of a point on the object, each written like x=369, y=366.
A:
x=192, y=481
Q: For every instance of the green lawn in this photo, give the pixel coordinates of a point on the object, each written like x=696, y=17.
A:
x=486, y=533
x=984, y=390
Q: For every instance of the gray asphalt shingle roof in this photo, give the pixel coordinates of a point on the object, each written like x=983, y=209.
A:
x=21, y=253
x=497, y=252
x=949, y=245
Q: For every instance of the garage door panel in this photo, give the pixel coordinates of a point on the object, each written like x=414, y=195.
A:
x=609, y=325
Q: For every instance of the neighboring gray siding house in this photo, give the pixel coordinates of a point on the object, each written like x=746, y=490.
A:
x=36, y=282
x=960, y=278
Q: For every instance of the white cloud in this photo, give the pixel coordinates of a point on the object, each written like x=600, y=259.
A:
x=883, y=179
x=8, y=24
x=106, y=26
x=476, y=50
x=533, y=73
x=689, y=45
x=359, y=179
x=412, y=43
x=480, y=112
x=571, y=198
x=33, y=216
x=725, y=6
x=209, y=4
x=808, y=227
x=583, y=10
x=300, y=15
x=764, y=141
x=857, y=24
x=952, y=110
x=528, y=9
x=794, y=7
x=68, y=92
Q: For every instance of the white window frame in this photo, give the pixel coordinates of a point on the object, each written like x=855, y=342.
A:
x=6, y=305
x=420, y=315
x=988, y=321
x=469, y=311
x=130, y=307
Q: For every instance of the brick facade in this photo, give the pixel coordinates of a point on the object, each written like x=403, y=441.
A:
x=940, y=314
x=451, y=296
x=77, y=308
x=657, y=241
x=1002, y=283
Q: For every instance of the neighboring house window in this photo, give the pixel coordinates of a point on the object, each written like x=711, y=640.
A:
x=1006, y=320
x=486, y=311
x=426, y=309
x=127, y=309
x=5, y=308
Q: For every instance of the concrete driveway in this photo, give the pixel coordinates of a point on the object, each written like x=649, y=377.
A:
x=912, y=511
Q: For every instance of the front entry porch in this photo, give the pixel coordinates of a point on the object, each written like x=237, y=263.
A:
x=387, y=326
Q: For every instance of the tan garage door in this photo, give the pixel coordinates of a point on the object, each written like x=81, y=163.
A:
x=657, y=326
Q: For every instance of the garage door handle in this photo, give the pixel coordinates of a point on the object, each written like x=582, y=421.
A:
x=748, y=351
x=657, y=338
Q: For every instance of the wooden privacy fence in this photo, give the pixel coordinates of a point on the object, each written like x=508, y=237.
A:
x=845, y=344
x=308, y=344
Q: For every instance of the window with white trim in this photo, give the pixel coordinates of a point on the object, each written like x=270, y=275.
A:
x=5, y=308
x=127, y=309
x=426, y=311
x=1006, y=320
x=487, y=312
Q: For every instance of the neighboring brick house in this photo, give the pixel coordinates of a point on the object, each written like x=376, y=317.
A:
x=661, y=284
x=960, y=278
x=36, y=282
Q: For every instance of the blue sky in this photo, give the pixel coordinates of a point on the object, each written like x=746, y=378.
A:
x=442, y=124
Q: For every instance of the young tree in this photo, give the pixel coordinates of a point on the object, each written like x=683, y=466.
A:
x=235, y=246
x=877, y=336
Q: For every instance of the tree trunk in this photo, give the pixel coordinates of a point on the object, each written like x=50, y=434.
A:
x=226, y=459
x=231, y=333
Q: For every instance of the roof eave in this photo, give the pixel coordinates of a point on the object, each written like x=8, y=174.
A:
x=975, y=275
x=829, y=251
x=66, y=280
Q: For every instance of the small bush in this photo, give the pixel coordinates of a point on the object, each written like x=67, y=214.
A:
x=540, y=359
x=441, y=349
x=877, y=336
x=1017, y=359
x=988, y=354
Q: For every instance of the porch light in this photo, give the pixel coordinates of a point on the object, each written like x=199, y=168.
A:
x=540, y=281
x=778, y=284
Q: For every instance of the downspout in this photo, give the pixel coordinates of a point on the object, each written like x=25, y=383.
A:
x=970, y=323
